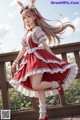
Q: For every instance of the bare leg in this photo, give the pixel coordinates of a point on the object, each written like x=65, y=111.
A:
x=37, y=84
x=42, y=97
x=44, y=85
x=42, y=104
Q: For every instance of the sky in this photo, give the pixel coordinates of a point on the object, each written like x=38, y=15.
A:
x=11, y=24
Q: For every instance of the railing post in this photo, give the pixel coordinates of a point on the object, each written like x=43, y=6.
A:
x=62, y=97
x=64, y=57
x=4, y=89
x=77, y=58
x=34, y=103
x=62, y=100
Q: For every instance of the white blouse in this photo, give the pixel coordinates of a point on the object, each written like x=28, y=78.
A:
x=37, y=36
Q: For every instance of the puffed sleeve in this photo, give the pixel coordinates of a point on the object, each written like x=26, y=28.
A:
x=23, y=42
x=40, y=34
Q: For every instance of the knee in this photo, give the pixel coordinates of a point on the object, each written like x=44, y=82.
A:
x=35, y=87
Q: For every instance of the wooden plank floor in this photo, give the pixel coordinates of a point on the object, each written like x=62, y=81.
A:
x=70, y=118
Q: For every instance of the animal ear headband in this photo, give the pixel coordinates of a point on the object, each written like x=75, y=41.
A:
x=32, y=2
x=31, y=7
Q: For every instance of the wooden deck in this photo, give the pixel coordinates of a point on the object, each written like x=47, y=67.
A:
x=69, y=118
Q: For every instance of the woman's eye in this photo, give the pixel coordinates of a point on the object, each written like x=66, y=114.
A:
x=24, y=18
x=29, y=16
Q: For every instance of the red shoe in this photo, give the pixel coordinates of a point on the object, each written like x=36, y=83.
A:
x=60, y=88
x=46, y=118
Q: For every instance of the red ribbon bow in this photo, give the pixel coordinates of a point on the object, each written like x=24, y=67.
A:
x=34, y=11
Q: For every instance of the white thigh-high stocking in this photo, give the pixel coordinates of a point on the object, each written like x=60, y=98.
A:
x=42, y=110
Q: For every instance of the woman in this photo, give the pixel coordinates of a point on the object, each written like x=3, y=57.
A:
x=41, y=73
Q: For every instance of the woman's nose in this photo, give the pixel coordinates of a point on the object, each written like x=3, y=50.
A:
x=26, y=20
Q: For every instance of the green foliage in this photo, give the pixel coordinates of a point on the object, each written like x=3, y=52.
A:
x=52, y=100
x=72, y=94
x=8, y=71
x=18, y=101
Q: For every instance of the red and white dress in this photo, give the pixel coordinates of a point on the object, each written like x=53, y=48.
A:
x=38, y=60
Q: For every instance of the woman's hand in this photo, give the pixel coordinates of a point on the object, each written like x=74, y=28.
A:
x=13, y=68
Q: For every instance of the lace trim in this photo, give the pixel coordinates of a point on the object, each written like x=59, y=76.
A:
x=29, y=52
x=39, y=35
x=21, y=67
x=23, y=63
x=48, y=60
x=39, y=32
x=23, y=90
x=40, y=57
x=43, y=70
x=34, y=49
x=31, y=93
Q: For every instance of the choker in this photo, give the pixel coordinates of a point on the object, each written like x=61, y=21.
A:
x=31, y=28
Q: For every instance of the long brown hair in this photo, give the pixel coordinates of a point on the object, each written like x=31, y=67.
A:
x=52, y=32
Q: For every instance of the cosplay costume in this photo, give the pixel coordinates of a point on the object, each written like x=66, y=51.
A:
x=38, y=60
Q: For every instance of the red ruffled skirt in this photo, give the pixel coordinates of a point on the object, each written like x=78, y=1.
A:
x=53, y=69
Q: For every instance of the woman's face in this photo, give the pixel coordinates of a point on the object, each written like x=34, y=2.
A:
x=29, y=19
